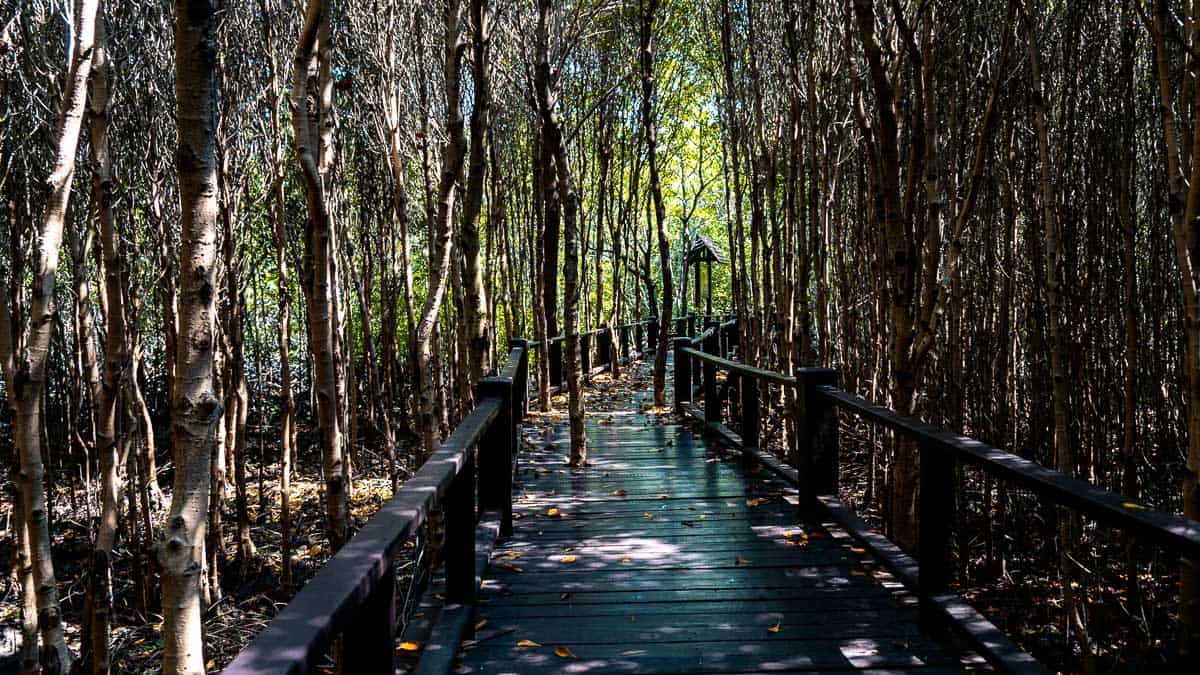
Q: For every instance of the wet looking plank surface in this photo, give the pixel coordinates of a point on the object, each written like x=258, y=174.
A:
x=668, y=554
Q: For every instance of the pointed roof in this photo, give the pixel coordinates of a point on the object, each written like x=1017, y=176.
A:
x=705, y=250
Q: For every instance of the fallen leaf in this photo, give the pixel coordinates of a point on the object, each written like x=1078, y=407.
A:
x=857, y=550
x=564, y=653
x=510, y=567
x=626, y=560
x=512, y=555
x=564, y=595
x=550, y=493
x=775, y=628
x=664, y=496
x=567, y=559
x=757, y=501
x=620, y=492
x=553, y=512
x=648, y=516
x=739, y=560
x=527, y=643
x=410, y=646
x=481, y=625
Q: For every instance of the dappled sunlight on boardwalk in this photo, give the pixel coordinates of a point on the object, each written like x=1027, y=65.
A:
x=666, y=553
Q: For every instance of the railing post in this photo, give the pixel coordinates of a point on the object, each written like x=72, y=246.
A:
x=712, y=345
x=624, y=342
x=459, y=507
x=652, y=333
x=936, y=510
x=585, y=353
x=683, y=372
x=496, y=451
x=368, y=643
x=817, y=462
x=556, y=363
x=521, y=383
x=749, y=391
x=604, y=346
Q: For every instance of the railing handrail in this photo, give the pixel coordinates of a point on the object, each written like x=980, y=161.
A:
x=1174, y=532
x=360, y=573
x=1171, y=531
x=816, y=475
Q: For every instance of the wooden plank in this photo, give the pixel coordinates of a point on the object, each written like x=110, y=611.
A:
x=705, y=657
x=752, y=594
x=728, y=609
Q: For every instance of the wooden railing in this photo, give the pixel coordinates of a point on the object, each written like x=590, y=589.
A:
x=814, y=470
x=596, y=348
x=353, y=595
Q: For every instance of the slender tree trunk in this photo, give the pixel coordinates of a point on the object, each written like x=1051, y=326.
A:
x=26, y=373
x=475, y=312
x=440, y=254
x=195, y=407
x=554, y=149
x=311, y=151
x=647, y=11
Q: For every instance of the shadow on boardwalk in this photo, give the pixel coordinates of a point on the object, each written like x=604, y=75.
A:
x=668, y=554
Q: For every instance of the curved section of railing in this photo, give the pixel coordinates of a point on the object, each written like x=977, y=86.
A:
x=353, y=594
x=814, y=470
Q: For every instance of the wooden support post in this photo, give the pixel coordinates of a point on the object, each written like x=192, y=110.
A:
x=625, y=342
x=712, y=345
x=556, y=363
x=936, y=511
x=750, y=423
x=460, y=534
x=585, y=353
x=652, y=333
x=604, y=347
x=817, y=425
x=683, y=372
x=497, y=449
x=521, y=383
x=368, y=643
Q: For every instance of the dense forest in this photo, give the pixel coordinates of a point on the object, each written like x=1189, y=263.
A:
x=257, y=255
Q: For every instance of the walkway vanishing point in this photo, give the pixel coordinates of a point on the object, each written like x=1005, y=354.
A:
x=682, y=547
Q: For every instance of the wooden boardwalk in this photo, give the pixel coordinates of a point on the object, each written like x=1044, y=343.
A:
x=668, y=554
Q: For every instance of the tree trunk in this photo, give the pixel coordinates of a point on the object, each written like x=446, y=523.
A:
x=195, y=408
x=440, y=252
x=650, y=132
x=25, y=372
x=310, y=127
x=475, y=314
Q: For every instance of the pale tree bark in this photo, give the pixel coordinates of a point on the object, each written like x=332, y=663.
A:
x=546, y=83
x=116, y=358
x=647, y=11
x=312, y=152
x=439, y=264
x=25, y=372
x=195, y=409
